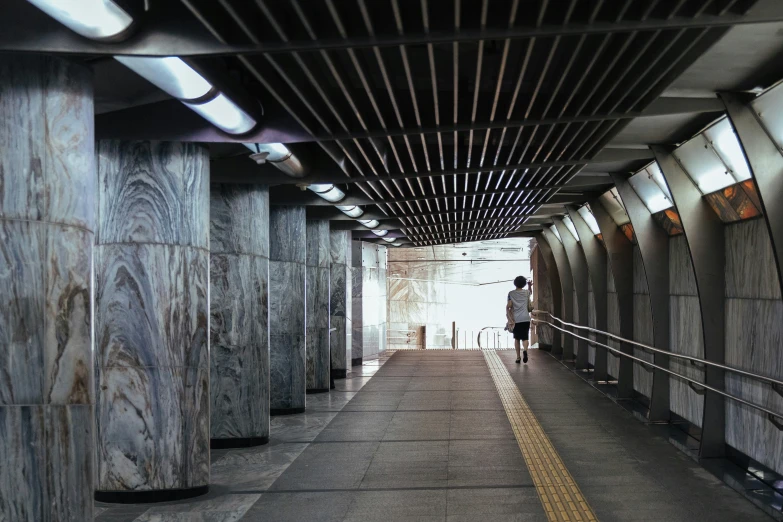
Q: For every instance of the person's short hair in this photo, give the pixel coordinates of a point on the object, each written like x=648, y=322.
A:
x=520, y=281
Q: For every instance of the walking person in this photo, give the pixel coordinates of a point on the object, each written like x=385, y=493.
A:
x=518, y=307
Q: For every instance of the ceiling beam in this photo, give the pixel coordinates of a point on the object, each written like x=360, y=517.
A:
x=171, y=121
x=241, y=169
x=25, y=28
x=660, y=107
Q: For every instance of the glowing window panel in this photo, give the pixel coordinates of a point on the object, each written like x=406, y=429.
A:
x=649, y=192
x=589, y=218
x=369, y=223
x=723, y=139
x=556, y=233
x=224, y=114
x=379, y=233
x=657, y=176
x=769, y=108
x=350, y=210
x=95, y=19
x=169, y=74
x=570, y=226
x=327, y=191
x=703, y=165
x=614, y=206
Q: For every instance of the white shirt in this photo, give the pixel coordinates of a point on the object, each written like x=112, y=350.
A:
x=520, y=299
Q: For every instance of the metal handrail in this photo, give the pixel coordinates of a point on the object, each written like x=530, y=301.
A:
x=768, y=380
x=771, y=415
x=478, y=336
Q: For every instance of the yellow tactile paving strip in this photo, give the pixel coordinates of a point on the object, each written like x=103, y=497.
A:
x=555, y=486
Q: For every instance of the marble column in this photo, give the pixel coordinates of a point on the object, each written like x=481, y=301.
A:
x=287, y=276
x=340, y=305
x=317, y=298
x=239, y=315
x=151, y=321
x=47, y=188
x=368, y=300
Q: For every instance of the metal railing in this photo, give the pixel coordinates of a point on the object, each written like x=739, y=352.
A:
x=776, y=384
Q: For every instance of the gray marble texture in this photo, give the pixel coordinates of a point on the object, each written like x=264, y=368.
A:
x=369, y=297
x=318, y=299
x=287, y=307
x=685, y=331
x=152, y=317
x=47, y=195
x=754, y=334
x=340, y=300
x=153, y=192
x=239, y=311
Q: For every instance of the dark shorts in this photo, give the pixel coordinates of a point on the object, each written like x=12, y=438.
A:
x=522, y=331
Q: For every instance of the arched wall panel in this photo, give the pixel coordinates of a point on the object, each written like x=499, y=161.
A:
x=651, y=271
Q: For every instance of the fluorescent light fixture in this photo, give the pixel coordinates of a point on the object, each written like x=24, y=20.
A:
x=389, y=239
x=369, y=223
x=703, y=165
x=722, y=138
x=94, y=19
x=275, y=151
x=556, y=233
x=170, y=74
x=350, y=210
x=327, y=191
x=614, y=206
x=224, y=114
x=589, y=218
x=379, y=232
x=650, y=192
x=570, y=226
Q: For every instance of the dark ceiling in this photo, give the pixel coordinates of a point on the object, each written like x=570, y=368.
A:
x=449, y=120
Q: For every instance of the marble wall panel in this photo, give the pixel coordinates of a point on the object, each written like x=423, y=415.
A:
x=369, y=300
x=317, y=303
x=239, y=312
x=750, y=262
x=151, y=306
x=754, y=333
x=685, y=336
x=47, y=223
x=643, y=333
x=613, y=326
x=239, y=219
x=152, y=316
x=239, y=352
x=153, y=192
x=682, y=280
x=287, y=234
x=287, y=308
x=47, y=140
x=154, y=433
x=340, y=304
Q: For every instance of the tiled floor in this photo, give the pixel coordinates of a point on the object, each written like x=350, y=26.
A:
x=425, y=437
